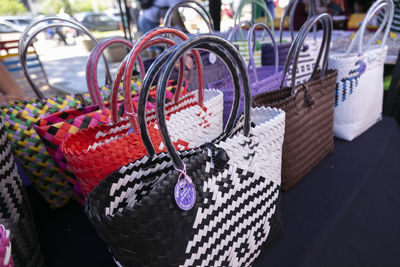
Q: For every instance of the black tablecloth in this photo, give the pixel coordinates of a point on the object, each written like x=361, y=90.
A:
x=346, y=212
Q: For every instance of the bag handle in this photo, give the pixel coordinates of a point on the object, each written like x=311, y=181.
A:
x=156, y=66
x=290, y=10
x=196, y=7
x=388, y=7
x=25, y=38
x=238, y=27
x=260, y=3
x=94, y=95
x=291, y=6
x=121, y=72
x=251, y=38
x=298, y=42
x=205, y=42
x=138, y=47
x=92, y=63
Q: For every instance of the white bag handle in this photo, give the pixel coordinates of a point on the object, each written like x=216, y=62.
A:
x=388, y=7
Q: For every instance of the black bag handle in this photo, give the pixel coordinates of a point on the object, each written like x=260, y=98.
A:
x=209, y=41
x=149, y=79
x=297, y=45
x=196, y=7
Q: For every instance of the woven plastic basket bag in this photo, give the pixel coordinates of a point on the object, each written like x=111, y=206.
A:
x=262, y=79
x=359, y=87
x=199, y=200
x=15, y=212
x=309, y=109
x=19, y=118
x=55, y=127
x=96, y=152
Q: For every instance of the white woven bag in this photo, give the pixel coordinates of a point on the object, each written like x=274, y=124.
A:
x=359, y=87
x=310, y=49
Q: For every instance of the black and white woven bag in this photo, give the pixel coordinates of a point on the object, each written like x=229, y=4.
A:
x=15, y=213
x=216, y=205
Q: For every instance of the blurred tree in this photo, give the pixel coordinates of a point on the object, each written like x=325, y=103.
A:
x=55, y=6
x=11, y=7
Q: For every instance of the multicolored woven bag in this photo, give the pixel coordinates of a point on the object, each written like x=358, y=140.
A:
x=19, y=118
x=53, y=129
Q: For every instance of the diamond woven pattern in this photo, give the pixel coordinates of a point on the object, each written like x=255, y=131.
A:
x=53, y=129
x=235, y=205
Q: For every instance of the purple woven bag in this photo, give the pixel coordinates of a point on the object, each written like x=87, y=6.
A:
x=262, y=79
x=267, y=50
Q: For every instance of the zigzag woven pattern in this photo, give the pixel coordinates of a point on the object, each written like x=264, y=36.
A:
x=347, y=85
x=309, y=124
x=19, y=118
x=360, y=91
x=234, y=214
x=15, y=213
x=96, y=152
x=54, y=128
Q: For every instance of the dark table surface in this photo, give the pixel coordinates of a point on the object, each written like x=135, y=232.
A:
x=346, y=212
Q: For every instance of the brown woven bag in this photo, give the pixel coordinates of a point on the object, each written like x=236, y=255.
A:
x=309, y=109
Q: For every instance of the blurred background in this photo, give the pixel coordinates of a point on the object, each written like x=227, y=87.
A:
x=61, y=53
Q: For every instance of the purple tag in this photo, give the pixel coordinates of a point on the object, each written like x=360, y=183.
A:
x=363, y=67
x=185, y=194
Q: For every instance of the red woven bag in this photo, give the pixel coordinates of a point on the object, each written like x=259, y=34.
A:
x=95, y=152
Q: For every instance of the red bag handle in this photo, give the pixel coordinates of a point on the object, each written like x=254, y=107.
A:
x=138, y=47
x=92, y=63
x=121, y=72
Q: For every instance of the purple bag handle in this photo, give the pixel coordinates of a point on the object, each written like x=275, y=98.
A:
x=238, y=27
x=251, y=37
